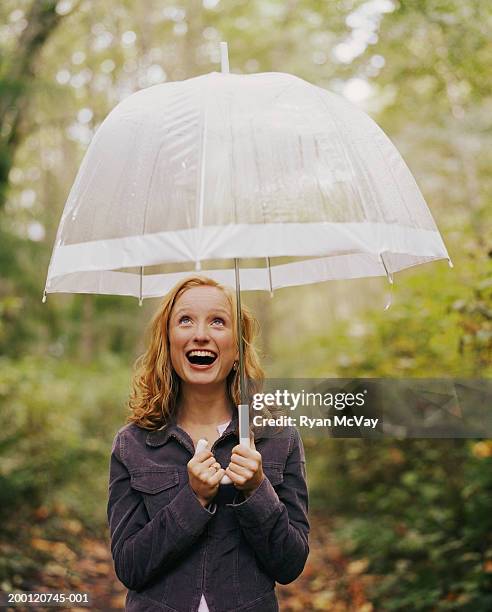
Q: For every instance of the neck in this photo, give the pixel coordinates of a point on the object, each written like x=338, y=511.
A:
x=203, y=405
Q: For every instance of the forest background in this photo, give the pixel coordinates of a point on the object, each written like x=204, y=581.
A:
x=397, y=524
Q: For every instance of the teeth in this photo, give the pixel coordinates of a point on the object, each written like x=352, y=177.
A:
x=201, y=354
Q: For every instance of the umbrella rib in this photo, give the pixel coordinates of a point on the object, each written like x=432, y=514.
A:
x=147, y=197
x=388, y=274
x=242, y=394
x=201, y=188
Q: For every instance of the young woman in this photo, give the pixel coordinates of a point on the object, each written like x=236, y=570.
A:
x=180, y=540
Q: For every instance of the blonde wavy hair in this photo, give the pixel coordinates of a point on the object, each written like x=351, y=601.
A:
x=156, y=386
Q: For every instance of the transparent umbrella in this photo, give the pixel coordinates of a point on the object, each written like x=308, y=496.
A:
x=232, y=167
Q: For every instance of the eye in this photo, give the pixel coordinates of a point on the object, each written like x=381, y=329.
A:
x=218, y=320
x=184, y=319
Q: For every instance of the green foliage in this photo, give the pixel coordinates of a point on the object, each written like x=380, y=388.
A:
x=439, y=324
x=58, y=420
x=419, y=511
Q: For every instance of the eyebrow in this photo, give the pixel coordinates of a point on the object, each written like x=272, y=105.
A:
x=184, y=310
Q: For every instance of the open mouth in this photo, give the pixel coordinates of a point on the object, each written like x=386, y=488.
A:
x=201, y=357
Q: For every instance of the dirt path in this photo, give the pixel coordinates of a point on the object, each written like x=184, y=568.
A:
x=329, y=582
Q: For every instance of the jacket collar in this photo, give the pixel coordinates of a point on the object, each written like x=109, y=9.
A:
x=160, y=436
x=172, y=429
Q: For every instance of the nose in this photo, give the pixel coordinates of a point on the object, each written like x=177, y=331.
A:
x=201, y=333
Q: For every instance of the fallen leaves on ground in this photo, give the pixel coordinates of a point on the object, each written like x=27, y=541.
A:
x=330, y=581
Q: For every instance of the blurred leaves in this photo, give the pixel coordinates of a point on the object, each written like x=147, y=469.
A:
x=57, y=424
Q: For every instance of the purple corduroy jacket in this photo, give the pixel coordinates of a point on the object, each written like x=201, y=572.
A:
x=168, y=549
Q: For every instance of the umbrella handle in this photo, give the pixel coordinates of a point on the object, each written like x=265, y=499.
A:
x=225, y=478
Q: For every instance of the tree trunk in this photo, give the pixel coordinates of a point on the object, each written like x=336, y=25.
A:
x=15, y=78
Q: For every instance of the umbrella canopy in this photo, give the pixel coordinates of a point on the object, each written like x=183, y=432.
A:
x=226, y=166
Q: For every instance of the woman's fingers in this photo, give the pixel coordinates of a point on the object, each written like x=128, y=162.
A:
x=205, y=474
x=202, y=455
x=236, y=479
x=240, y=473
x=213, y=469
x=201, y=469
x=244, y=462
x=205, y=464
x=216, y=478
x=199, y=458
x=204, y=469
x=246, y=452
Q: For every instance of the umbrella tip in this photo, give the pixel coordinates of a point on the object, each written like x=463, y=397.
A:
x=390, y=294
x=44, y=297
x=450, y=263
x=140, y=301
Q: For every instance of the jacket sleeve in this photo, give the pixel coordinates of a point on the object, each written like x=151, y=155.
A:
x=275, y=522
x=143, y=547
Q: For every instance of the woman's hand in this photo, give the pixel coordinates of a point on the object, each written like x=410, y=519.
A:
x=245, y=469
x=204, y=474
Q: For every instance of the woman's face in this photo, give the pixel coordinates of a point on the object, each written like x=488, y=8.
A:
x=201, y=337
